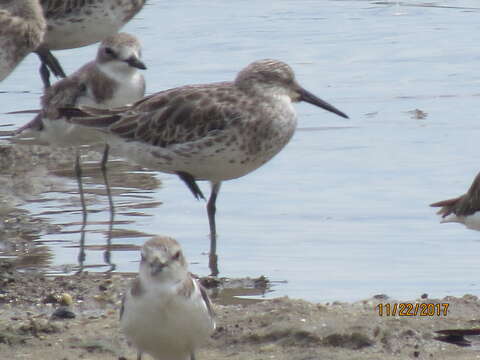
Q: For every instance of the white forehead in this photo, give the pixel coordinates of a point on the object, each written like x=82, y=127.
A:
x=123, y=44
x=161, y=245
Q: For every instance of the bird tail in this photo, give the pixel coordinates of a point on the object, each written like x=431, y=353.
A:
x=445, y=206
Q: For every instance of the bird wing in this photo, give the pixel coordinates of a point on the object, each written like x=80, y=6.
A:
x=52, y=8
x=58, y=8
x=206, y=299
x=171, y=117
x=63, y=93
x=135, y=290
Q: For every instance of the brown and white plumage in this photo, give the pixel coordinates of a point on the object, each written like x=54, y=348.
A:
x=112, y=79
x=77, y=23
x=464, y=209
x=213, y=132
x=22, y=29
x=166, y=312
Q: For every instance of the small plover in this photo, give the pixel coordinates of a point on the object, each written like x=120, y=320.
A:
x=213, y=132
x=464, y=209
x=166, y=313
x=22, y=28
x=113, y=79
x=73, y=24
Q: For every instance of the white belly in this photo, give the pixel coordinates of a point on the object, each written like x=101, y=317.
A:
x=219, y=157
x=132, y=89
x=473, y=221
x=202, y=164
x=470, y=221
x=59, y=132
x=93, y=23
x=168, y=329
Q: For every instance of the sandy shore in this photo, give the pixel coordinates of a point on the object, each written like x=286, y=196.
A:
x=272, y=329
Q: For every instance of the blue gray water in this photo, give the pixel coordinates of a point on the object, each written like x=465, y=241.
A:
x=342, y=212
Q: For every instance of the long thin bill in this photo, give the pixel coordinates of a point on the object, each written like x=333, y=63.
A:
x=312, y=99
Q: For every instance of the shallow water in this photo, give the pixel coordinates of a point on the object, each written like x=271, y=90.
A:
x=342, y=213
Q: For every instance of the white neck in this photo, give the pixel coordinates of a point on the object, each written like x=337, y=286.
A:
x=118, y=71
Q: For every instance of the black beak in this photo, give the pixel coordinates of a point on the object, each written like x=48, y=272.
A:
x=136, y=62
x=312, y=99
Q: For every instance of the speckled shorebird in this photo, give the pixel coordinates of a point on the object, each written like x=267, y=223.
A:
x=464, y=209
x=77, y=23
x=113, y=79
x=214, y=132
x=166, y=313
x=22, y=28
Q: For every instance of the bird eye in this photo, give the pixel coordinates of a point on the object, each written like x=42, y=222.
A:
x=109, y=51
x=176, y=256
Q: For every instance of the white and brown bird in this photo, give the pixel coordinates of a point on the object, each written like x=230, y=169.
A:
x=166, y=313
x=113, y=79
x=77, y=23
x=215, y=132
x=464, y=209
x=22, y=29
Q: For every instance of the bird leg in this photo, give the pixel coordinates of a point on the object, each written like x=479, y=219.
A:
x=49, y=64
x=189, y=180
x=81, y=253
x=78, y=174
x=103, y=166
x=211, y=210
x=45, y=75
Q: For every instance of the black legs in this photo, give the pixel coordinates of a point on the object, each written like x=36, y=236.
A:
x=49, y=64
x=211, y=209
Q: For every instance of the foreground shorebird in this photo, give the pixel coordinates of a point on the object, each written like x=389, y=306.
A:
x=166, y=313
x=113, y=79
x=464, y=209
x=73, y=24
x=22, y=28
x=213, y=132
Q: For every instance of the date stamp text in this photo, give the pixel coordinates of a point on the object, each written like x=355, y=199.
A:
x=412, y=309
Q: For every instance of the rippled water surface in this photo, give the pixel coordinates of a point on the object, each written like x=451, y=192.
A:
x=342, y=213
